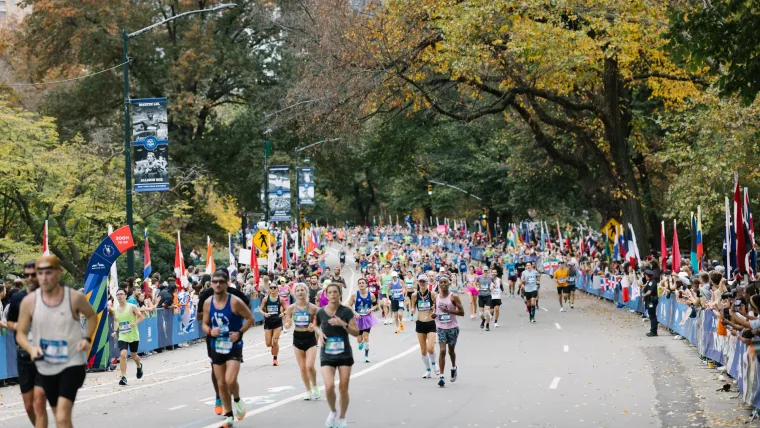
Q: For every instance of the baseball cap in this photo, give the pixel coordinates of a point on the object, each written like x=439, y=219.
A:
x=422, y=278
x=394, y=273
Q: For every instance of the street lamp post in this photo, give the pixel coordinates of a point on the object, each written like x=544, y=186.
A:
x=295, y=161
x=127, y=137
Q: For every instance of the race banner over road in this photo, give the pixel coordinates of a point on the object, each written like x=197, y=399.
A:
x=306, y=185
x=279, y=193
x=150, y=137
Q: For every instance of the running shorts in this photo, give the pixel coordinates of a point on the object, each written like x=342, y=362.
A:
x=495, y=303
x=571, y=288
x=304, y=340
x=512, y=278
x=563, y=290
x=396, y=305
x=131, y=345
x=448, y=335
x=64, y=384
x=409, y=294
x=531, y=294
x=425, y=327
x=27, y=373
x=366, y=330
x=484, y=301
x=272, y=324
x=346, y=361
x=236, y=354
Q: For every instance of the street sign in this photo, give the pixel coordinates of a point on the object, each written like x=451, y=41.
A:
x=261, y=241
x=305, y=225
x=610, y=228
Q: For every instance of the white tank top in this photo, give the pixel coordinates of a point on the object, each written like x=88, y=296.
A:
x=56, y=331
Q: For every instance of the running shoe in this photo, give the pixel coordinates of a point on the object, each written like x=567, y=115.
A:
x=427, y=374
x=533, y=320
x=140, y=371
x=366, y=358
x=572, y=306
x=482, y=324
x=218, y=406
x=341, y=424
x=437, y=372
x=308, y=396
x=562, y=309
x=315, y=393
x=472, y=316
x=398, y=330
x=402, y=326
x=275, y=363
x=488, y=328
x=239, y=408
x=330, y=422
x=228, y=422
x=361, y=345
x=123, y=380
x=441, y=382
x=495, y=324
x=453, y=375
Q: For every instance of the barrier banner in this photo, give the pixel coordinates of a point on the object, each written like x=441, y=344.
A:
x=96, y=290
x=150, y=138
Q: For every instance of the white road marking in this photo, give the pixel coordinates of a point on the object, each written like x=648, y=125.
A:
x=178, y=407
x=285, y=401
x=567, y=348
x=557, y=325
x=544, y=309
x=554, y=384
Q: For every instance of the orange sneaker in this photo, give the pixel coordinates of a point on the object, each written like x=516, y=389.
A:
x=402, y=326
x=398, y=330
x=218, y=406
x=275, y=363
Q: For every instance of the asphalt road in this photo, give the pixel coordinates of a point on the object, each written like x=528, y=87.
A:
x=589, y=366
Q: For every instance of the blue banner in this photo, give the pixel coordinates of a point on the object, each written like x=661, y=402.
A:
x=150, y=138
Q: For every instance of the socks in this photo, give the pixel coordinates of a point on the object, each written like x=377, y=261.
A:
x=431, y=357
x=426, y=362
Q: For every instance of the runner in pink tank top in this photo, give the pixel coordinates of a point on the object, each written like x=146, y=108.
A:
x=447, y=308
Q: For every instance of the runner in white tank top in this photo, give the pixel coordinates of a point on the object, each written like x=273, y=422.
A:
x=447, y=308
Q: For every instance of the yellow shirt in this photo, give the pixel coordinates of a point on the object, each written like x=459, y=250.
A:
x=561, y=276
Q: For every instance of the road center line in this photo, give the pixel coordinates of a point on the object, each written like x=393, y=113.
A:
x=554, y=384
x=567, y=348
x=557, y=325
x=178, y=407
x=285, y=401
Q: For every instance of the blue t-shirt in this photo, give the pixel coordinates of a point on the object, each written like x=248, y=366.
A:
x=530, y=279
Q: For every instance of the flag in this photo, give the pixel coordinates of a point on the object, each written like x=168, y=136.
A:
x=297, y=252
x=232, y=254
x=179, y=263
x=622, y=242
x=567, y=240
x=750, y=227
x=45, y=249
x=727, y=241
x=607, y=254
x=271, y=258
x=113, y=279
x=700, y=246
x=693, y=259
x=254, y=264
x=663, y=247
x=559, y=236
x=616, y=245
x=633, y=247
x=739, y=248
x=284, y=255
x=147, y=269
x=676, y=250
x=210, y=265
x=626, y=294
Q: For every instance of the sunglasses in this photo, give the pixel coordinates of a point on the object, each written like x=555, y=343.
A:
x=30, y=275
x=273, y=288
x=218, y=281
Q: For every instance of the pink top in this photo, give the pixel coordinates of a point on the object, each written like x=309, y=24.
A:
x=323, y=300
x=444, y=320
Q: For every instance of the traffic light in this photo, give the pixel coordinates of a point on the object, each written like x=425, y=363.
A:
x=485, y=214
x=300, y=213
x=430, y=190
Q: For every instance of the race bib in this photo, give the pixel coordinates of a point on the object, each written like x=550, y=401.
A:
x=273, y=309
x=444, y=317
x=125, y=327
x=423, y=305
x=55, y=351
x=396, y=294
x=301, y=319
x=223, y=345
x=364, y=310
x=373, y=289
x=334, y=346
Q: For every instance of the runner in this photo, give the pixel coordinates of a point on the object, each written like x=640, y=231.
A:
x=313, y=288
x=396, y=292
x=336, y=322
x=561, y=277
x=529, y=287
x=496, y=289
x=57, y=346
x=342, y=257
x=225, y=328
x=273, y=308
x=423, y=301
x=205, y=295
x=302, y=314
x=571, y=280
x=447, y=308
x=126, y=316
x=363, y=302
x=472, y=291
x=30, y=383
x=511, y=276
x=484, y=299
x=409, y=283
x=385, y=302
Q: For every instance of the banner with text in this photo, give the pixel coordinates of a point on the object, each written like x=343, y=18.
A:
x=306, y=185
x=279, y=193
x=150, y=138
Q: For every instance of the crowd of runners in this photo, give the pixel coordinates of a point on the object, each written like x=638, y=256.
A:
x=395, y=283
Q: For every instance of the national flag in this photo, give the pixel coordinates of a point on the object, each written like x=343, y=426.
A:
x=113, y=279
x=694, y=260
x=626, y=294
x=210, y=265
x=622, y=242
x=284, y=254
x=271, y=258
x=749, y=232
x=700, y=246
x=581, y=241
x=232, y=254
x=254, y=264
x=676, y=250
x=663, y=247
x=740, y=248
x=147, y=269
x=727, y=241
x=45, y=249
x=567, y=240
x=297, y=252
x=518, y=239
x=559, y=236
x=607, y=254
x=616, y=245
x=179, y=264
x=633, y=247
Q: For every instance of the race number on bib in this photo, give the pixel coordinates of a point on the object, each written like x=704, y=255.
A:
x=223, y=345
x=272, y=309
x=125, y=327
x=334, y=346
x=423, y=305
x=444, y=317
x=55, y=351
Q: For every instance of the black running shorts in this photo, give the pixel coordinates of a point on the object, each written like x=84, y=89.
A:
x=64, y=384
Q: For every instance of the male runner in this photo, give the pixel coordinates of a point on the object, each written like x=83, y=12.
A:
x=529, y=287
x=447, y=308
x=571, y=280
x=223, y=317
x=314, y=288
x=561, y=277
x=484, y=299
x=511, y=275
x=32, y=393
x=126, y=316
x=496, y=289
x=57, y=346
x=396, y=291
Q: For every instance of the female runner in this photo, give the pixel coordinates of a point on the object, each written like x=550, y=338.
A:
x=423, y=302
x=272, y=308
x=363, y=302
x=301, y=314
x=472, y=291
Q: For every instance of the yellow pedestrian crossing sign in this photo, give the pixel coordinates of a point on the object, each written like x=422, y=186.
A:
x=610, y=228
x=261, y=240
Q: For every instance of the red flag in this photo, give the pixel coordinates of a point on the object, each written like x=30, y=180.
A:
x=255, y=264
x=663, y=247
x=284, y=250
x=179, y=263
x=626, y=294
x=741, y=250
x=676, y=251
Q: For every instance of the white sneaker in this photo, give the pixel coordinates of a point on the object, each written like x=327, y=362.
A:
x=437, y=372
x=316, y=394
x=330, y=422
x=562, y=309
x=427, y=374
x=495, y=324
x=308, y=396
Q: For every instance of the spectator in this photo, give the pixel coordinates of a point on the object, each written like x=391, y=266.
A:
x=166, y=296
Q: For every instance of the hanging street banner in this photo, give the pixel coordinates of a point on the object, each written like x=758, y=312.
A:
x=150, y=138
x=306, y=185
x=279, y=193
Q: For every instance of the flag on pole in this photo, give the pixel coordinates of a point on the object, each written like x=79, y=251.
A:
x=559, y=236
x=740, y=248
x=254, y=264
x=297, y=252
x=284, y=255
x=749, y=226
x=633, y=247
x=727, y=241
x=693, y=259
x=271, y=258
x=179, y=264
x=700, y=246
x=582, y=248
x=210, y=265
x=676, y=250
x=232, y=254
x=147, y=269
x=113, y=279
x=622, y=242
x=616, y=245
x=45, y=249
x=663, y=247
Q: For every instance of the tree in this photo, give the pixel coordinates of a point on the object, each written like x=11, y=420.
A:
x=568, y=72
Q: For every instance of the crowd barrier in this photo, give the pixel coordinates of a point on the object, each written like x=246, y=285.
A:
x=700, y=330
x=159, y=329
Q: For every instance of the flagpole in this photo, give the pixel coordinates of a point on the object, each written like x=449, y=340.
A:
x=728, y=240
